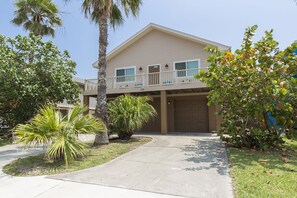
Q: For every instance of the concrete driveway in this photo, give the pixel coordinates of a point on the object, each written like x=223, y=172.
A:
x=179, y=165
x=43, y=187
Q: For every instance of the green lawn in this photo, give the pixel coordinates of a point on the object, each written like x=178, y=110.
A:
x=4, y=142
x=265, y=174
x=35, y=165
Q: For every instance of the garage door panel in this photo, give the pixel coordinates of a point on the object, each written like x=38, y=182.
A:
x=191, y=114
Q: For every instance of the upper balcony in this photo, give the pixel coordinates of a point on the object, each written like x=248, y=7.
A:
x=153, y=81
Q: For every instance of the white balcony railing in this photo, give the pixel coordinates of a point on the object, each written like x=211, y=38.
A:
x=164, y=78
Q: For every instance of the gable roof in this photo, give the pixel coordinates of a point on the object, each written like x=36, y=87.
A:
x=152, y=26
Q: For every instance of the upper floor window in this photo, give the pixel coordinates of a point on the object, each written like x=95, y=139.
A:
x=126, y=74
x=186, y=68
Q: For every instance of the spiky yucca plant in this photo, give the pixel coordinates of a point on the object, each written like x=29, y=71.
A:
x=129, y=113
x=49, y=127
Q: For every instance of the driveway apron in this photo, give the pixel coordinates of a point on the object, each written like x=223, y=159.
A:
x=192, y=165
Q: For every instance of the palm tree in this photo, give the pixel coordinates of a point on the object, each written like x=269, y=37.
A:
x=105, y=13
x=38, y=16
x=129, y=113
x=50, y=128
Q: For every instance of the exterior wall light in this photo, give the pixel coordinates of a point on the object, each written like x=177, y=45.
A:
x=166, y=66
x=140, y=68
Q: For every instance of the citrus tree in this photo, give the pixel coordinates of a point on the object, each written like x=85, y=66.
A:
x=256, y=87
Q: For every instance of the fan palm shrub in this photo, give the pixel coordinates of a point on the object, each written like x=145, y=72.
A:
x=50, y=128
x=129, y=113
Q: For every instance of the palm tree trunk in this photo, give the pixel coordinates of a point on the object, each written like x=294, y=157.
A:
x=101, y=106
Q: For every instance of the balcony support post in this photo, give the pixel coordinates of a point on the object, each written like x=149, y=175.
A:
x=164, y=122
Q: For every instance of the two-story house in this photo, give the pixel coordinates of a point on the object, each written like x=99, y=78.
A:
x=161, y=63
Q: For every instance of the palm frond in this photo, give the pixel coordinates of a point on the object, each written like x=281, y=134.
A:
x=49, y=127
x=116, y=18
x=75, y=112
x=66, y=147
x=37, y=16
x=129, y=113
x=113, y=9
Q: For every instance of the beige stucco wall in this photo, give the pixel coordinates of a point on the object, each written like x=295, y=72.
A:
x=157, y=47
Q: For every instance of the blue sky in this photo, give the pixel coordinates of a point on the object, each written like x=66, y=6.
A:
x=222, y=21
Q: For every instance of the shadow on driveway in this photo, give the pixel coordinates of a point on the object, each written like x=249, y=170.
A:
x=206, y=153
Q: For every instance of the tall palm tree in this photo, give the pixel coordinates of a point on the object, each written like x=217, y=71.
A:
x=38, y=16
x=105, y=13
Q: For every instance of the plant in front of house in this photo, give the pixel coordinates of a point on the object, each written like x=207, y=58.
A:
x=256, y=87
x=129, y=113
x=32, y=74
x=50, y=128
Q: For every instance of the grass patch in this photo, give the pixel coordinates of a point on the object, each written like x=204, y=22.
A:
x=265, y=174
x=36, y=165
x=4, y=142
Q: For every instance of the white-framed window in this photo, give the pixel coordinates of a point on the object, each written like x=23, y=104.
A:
x=125, y=74
x=187, y=68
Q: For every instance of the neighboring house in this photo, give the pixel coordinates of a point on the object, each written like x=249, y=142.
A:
x=64, y=107
x=161, y=63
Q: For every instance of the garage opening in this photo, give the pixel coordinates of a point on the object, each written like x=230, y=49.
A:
x=191, y=114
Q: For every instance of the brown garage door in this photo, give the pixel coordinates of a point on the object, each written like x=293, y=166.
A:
x=191, y=114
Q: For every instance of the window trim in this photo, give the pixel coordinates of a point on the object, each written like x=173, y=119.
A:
x=185, y=61
x=119, y=68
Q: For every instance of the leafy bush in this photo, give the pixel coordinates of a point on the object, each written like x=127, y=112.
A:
x=32, y=74
x=49, y=127
x=129, y=113
x=256, y=88
x=291, y=134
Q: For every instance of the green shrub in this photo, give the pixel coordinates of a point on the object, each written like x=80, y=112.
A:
x=50, y=128
x=291, y=134
x=26, y=85
x=251, y=84
x=129, y=113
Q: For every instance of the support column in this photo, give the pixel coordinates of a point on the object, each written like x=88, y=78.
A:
x=164, y=119
x=86, y=102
